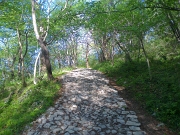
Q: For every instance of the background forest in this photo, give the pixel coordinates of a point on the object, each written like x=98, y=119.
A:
x=134, y=41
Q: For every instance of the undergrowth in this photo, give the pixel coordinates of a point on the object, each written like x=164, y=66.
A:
x=160, y=96
x=20, y=106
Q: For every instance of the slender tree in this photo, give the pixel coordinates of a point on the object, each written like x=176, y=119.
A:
x=42, y=42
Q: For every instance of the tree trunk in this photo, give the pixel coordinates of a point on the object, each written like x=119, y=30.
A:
x=127, y=55
x=12, y=67
x=42, y=43
x=112, y=55
x=173, y=25
x=39, y=66
x=68, y=56
x=35, y=65
x=172, y=22
x=21, y=60
x=147, y=59
x=139, y=51
x=45, y=54
x=75, y=54
x=87, y=54
x=99, y=57
x=102, y=55
x=104, y=48
x=59, y=63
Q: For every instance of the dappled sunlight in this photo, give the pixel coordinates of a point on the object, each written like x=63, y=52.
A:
x=27, y=104
x=88, y=105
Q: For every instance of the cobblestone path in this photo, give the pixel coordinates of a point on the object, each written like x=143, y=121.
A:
x=88, y=106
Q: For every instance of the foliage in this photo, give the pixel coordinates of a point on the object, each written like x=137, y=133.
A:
x=25, y=104
x=120, y=30
x=159, y=96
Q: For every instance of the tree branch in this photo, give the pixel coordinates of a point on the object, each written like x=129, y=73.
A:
x=34, y=20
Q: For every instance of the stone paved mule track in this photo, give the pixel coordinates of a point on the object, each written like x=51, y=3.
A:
x=88, y=106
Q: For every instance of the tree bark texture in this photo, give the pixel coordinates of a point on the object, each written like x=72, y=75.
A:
x=45, y=54
x=173, y=25
x=21, y=59
x=87, y=54
x=42, y=43
x=35, y=65
x=147, y=59
x=127, y=55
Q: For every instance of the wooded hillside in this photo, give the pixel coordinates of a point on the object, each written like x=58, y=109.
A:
x=135, y=41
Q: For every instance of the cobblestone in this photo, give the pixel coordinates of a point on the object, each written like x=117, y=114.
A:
x=88, y=106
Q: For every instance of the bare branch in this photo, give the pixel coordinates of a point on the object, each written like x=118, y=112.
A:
x=65, y=6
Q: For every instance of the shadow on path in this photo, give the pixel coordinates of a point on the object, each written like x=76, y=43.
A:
x=88, y=106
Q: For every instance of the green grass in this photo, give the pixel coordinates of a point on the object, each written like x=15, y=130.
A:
x=160, y=96
x=25, y=104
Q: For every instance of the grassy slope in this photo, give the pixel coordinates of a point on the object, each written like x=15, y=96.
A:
x=159, y=96
x=25, y=104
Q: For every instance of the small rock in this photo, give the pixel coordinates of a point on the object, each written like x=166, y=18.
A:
x=51, y=117
x=108, y=131
x=66, y=133
x=120, y=121
x=66, y=118
x=56, y=130
x=77, y=129
x=71, y=127
x=75, y=124
x=30, y=133
x=134, y=119
x=102, y=133
x=89, y=127
x=58, y=123
x=129, y=133
x=113, y=131
x=132, y=113
x=134, y=128
x=60, y=112
x=50, y=109
x=47, y=125
x=92, y=133
x=131, y=123
x=40, y=125
x=160, y=125
x=63, y=127
x=125, y=112
x=85, y=132
x=78, y=100
x=102, y=126
x=43, y=121
x=97, y=128
x=67, y=123
x=131, y=116
x=36, y=133
x=154, y=114
x=58, y=118
x=139, y=133
x=53, y=127
x=70, y=131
